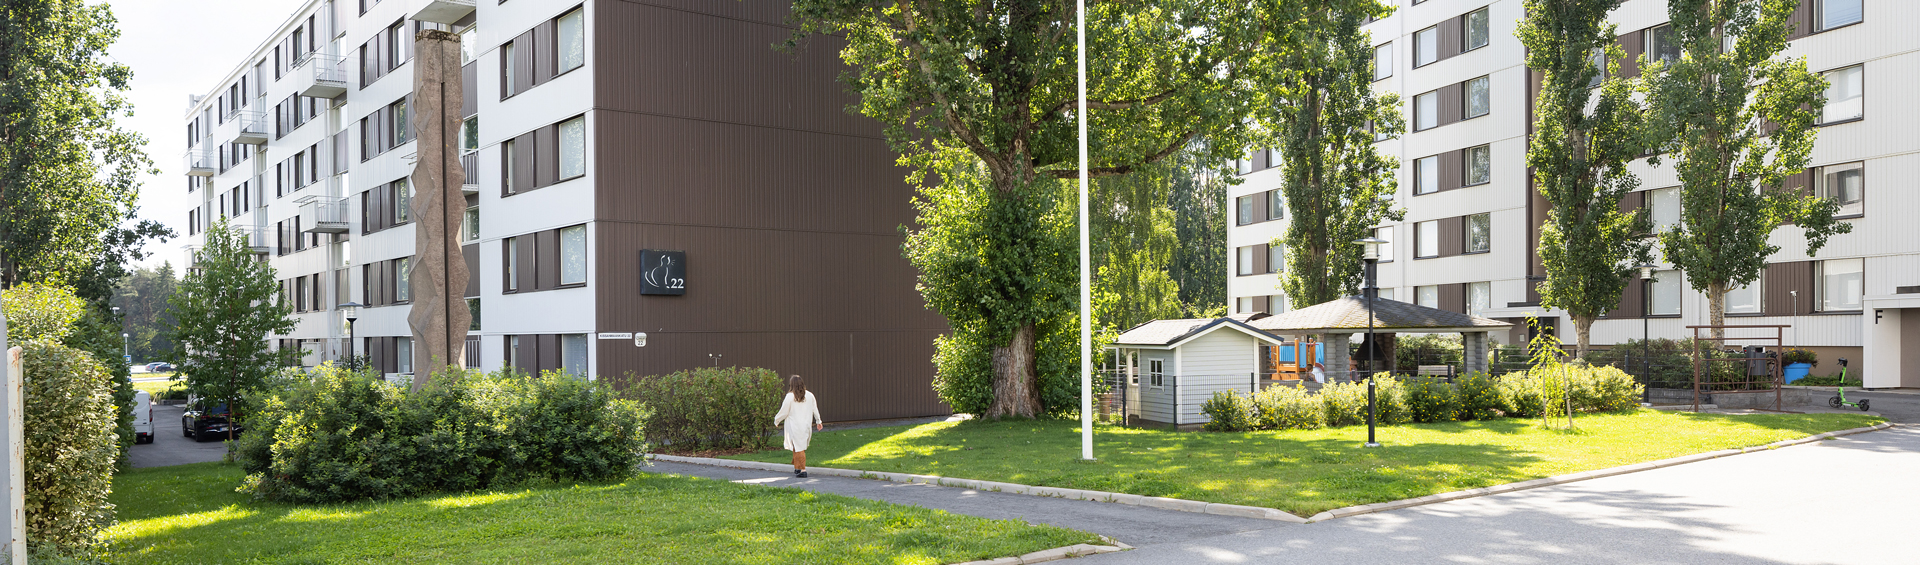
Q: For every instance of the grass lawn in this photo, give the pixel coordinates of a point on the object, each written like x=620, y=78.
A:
x=1299, y=471
x=157, y=389
x=191, y=514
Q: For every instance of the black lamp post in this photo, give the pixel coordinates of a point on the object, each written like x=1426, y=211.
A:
x=1646, y=315
x=1370, y=291
x=352, y=312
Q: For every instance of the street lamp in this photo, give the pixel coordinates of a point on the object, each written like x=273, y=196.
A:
x=126, y=350
x=1646, y=315
x=351, y=311
x=1370, y=291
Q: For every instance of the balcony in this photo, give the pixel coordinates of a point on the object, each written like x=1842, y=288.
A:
x=320, y=76
x=259, y=237
x=200, y=163
x=254, y=128
x=470, y=167
x=193, y=256
x=440, y=11
x=323, y=214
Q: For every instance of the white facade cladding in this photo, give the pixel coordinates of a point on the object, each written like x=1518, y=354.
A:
x=1851, y=300
x=326, y=189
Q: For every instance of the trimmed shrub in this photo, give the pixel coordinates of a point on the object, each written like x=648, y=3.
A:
x=1230, y=412
x=1593, y=389
x=1429, y=400
x=1390, y=400
x=730, y=407
x=71, y=446
x=1288, y=408
x=1345, y=404
x=1479, y=397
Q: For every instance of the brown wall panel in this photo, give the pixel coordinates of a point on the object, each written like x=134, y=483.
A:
x=1452, y=38
x=1632, y=298
x=1781, y=280
x=1453, y=236
x=471, y=254
x=547, y=251
x=469, y=89
x=1451, y=103
x=1453, y=297
x=1452, y=169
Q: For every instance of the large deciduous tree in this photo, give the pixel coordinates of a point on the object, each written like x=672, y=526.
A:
x=1735, y=120
x=1586, y=132
x=995, y=80
x=223, y=312
x=67, y=169
x=1338, y=187
x=1199, y=202
x=1133, y=244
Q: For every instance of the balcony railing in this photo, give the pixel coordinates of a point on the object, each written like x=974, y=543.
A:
x=441, y=11
x=323, y=214
x=259, y=237
x=254, y=128
x=324, y=76
x=200, y=163
x=193, y=255
x=470, y=169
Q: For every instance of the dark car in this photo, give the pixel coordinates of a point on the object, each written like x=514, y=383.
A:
x=207, y=420
x=159, y=367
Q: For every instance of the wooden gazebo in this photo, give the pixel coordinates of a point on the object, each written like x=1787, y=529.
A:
x=1339, y=319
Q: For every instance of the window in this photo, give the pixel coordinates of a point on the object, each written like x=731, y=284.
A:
x=470, y=224
x=1479, y=298
x=1665, y=298
x=1276, y=258
x=469, y=44
x=1479, y=233
x=1845, y=99
x=402, y=201
x=1599, y=60
x=473, y=314
x=1276, y=205
x=1245, y=206
x=1664, y=206
x=573, y=148
x=1479, y=99
x=400, y=119
x=1243, y=165
x=1426, y=46
x=1660, y=44
x=1746, y=300
x=1426, y=175
x=1156, y=371
x=509, y=71
x=402, y=279
x=573, y=255
x=1243, y=304
x=1426, y=239
x=1479, y=166
x=573, y=355
x=1386, y=249
x=1385, y=293
x=1428, y=296
x=513, y=352
x=403, y=353
x=470, y=135
x=1245, y=261
x=506, y=167
x=573, y=40
x=1836, y=13
x=1839, y=283
x=1477, y=33
x=1383, y=61
x=511, y=247
x=1846, y=184
x=1426, y=111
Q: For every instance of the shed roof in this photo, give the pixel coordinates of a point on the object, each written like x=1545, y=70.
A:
x=1169, y=333
x=1350, y=313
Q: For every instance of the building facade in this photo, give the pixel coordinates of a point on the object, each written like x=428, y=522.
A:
x=1468, y=241
x=632, y=166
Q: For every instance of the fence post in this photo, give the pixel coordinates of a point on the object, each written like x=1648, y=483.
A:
x=1176, y=400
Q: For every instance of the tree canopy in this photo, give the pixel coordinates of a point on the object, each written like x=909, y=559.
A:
x=223, y=313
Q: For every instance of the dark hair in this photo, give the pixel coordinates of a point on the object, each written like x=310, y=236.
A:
x=798, y=387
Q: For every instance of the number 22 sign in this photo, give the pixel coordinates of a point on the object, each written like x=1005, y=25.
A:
x=663, y=272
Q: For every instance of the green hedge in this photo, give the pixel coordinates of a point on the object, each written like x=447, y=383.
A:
x=709, y=408
x=71, y=446
x=339, y=435
x=1399, y=400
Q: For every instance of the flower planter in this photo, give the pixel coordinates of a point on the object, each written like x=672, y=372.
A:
x=1796, y=371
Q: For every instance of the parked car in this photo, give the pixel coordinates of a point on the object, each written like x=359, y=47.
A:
x=159, y=367
x=142, y=417
x=207, y=419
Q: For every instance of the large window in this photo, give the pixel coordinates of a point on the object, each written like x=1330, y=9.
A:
x=1479, y=233
x=1661, y=45
x=402, y=201
x=1846, y=99
x=1386, y=249
x=1426, y=46
x=1479, y=165
x=1846, y=184
x=1426, y=110
x=573, y=40
x=509, y=71
x=1663, y=204
x=400, y=119
x=1244, y=210
x=1836, y=13
x=573, y=350
x=1426, y=175
x=1479, y=298
x=1383, y=61
x=1428, y=296
x=470, y=224
x=473, y=314
x=1276, y=258
x=573, y=148
x=1477, y=33
x=1839, y=284
x=511, y=248
x=1276, y=204
x=1243, y=165
x=1244, y=261
x=403, y=355
x=470, y=136
x=573, y=255
x=469, y=44
x=1747, y=299
x=403, y=279
x=1665, y=300
x=1479, y=98
x=1426, y=239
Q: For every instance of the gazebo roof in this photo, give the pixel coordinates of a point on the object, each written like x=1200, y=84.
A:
x=1349, y=313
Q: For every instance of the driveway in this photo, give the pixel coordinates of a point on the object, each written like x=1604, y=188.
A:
x=169, y=446
x=1846, y=500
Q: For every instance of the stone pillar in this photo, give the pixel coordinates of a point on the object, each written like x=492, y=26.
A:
x=1475, y=344
x=1339, y=357
x=439, y=315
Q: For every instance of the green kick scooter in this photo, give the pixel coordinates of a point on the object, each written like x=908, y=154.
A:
x=1840, y=399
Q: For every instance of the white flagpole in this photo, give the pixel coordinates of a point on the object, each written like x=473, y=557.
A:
x=1086, y=292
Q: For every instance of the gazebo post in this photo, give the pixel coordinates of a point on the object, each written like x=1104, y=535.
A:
x=1339, y=355
x=1475, y=346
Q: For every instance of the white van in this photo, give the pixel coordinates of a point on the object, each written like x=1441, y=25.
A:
x=142, y=417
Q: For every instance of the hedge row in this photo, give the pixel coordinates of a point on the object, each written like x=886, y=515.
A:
x=1400, y=400
x=730, y=407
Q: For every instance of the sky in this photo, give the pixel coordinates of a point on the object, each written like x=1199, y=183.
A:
x=177, y=48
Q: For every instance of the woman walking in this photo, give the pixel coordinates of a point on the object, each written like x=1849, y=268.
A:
x=798, y=410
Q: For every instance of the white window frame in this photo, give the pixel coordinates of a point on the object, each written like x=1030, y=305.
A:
x=1479, y=297
x=1426, y=236
x=1824, y=187
x=1156, y=372
x=512, y=245
x=1753, y=294
x=573, y=266
x=1276, y=258
x=1852, y=289
x=1840, y=82
x=1383, y=61
x=1426, y=175
x=1663, y=208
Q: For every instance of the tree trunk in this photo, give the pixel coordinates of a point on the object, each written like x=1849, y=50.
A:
x=1016, y=391
x=1583, y=335
x=1717, y=310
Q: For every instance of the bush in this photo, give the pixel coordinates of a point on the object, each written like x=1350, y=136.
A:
x=37, y=311
x=730, y=407
x=963, y=370
x=1344, y=404
x=343, y=435
x=1229, y=411
x=71, y=446
x=1288, y=408
x=1431, y=400
x=1390, y=400
x=1479, y=397
x=1797, y=355
x=1592, y=389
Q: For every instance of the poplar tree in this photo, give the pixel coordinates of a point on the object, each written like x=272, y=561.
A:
x=1133, y=244
x=1586, y=132
x=994, y=80
x=1736, y=120
x=1338, y=187
x=223, y=313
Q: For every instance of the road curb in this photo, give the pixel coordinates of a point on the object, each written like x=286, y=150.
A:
x=1068, y=552
x=1222, y=509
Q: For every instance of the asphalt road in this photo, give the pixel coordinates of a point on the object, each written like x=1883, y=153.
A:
x=170, y=446
x=1902, y=407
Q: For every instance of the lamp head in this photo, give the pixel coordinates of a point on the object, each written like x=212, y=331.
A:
x=351, y=310
x=1373, y=246
x=1646, y=270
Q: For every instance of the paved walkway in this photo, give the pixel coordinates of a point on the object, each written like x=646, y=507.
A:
x=170, y=446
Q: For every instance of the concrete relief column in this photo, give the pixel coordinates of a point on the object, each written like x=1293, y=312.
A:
x=1339, y=356
x=439, y=316
x=1475, y=344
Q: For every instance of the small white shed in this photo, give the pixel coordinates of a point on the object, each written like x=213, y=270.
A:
x=1165, y=370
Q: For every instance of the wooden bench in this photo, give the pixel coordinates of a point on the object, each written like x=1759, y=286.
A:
x=1436, y=371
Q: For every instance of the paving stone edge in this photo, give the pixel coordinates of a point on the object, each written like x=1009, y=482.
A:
x=1237, y=510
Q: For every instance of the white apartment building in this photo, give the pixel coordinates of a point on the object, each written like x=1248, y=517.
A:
x=605, y=143
x=1472, y=220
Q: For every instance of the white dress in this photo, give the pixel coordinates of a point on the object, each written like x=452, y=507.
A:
x=800, y=418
